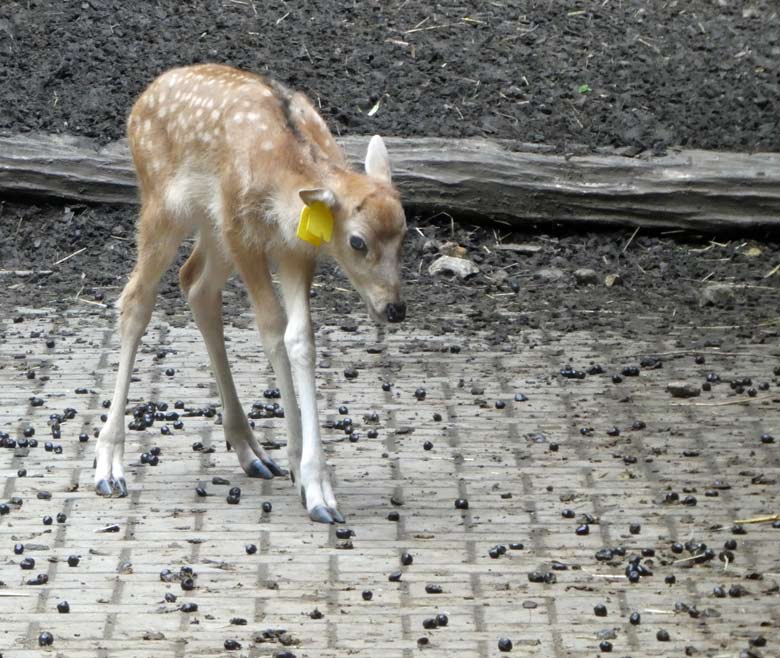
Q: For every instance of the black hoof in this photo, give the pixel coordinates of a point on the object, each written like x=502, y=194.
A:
x=258, y=469
x=103, y=488
x=320, y=514
x=120, y=488
x=274, y=467
x=338, y=517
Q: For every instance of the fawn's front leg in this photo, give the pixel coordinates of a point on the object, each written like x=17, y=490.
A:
x=158, y=240
x=312, y=474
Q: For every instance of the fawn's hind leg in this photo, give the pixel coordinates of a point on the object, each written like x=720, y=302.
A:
x=202, y=279
x=158, y=240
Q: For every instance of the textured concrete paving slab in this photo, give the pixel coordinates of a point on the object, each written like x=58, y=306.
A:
x=503, y=461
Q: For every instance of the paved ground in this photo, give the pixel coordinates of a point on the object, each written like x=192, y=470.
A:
x=500, y=460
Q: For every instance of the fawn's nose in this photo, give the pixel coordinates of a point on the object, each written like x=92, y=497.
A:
x=396, y=312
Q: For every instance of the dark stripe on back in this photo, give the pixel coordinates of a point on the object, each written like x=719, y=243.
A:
x=284, y=96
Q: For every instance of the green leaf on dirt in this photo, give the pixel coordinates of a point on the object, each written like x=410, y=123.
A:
x=584, y=89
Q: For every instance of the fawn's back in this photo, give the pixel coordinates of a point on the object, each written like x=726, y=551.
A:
x=206, y=133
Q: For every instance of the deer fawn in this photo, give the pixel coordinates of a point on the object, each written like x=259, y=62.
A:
x=251, y=168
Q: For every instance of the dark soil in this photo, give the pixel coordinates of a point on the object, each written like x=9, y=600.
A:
x=628, y=73
x=659, y=276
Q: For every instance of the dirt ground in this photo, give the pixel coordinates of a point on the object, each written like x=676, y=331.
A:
x=629, y=73
x=699, y=74
x=705, y=281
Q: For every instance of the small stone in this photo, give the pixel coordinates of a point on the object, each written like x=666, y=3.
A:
x=586, y=277
x=682, y=389
x=716, y=294
x=613, y=280
x=453, y=249
x=461, y=267
x=549, y=274
x=154, y=635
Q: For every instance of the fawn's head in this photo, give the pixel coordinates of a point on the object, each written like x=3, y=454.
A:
x=368, y=231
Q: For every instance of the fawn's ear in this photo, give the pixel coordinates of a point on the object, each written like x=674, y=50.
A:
x=377, y=160
x=321, y=194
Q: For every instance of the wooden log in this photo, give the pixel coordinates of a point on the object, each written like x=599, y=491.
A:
x=479, y=179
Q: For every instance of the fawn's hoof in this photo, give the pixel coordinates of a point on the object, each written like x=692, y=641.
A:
x=265, y=468
x=322, y=514
x=104, y=488
x=258, y=469
x=111, y=487
x=275, y=468
x=120, y=488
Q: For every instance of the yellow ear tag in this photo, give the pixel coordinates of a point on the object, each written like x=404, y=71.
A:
x=316, y=224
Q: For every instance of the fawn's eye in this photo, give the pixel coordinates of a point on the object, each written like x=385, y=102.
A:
x=357, y=243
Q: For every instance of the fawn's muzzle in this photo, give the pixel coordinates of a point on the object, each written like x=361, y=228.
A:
x=396, y=312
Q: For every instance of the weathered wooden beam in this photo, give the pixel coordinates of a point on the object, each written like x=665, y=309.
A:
x=513, y=183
